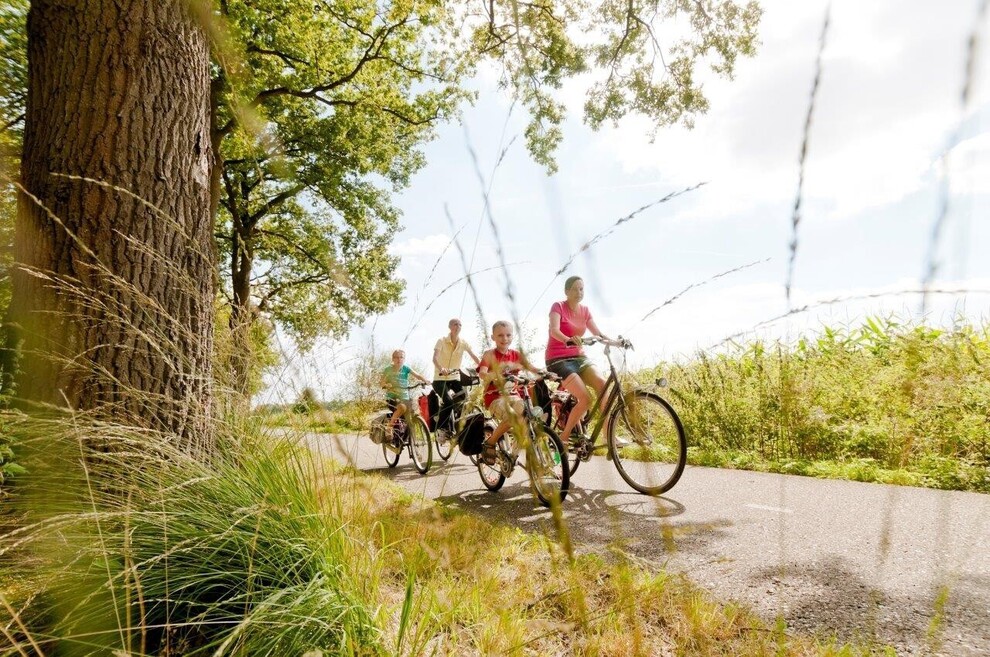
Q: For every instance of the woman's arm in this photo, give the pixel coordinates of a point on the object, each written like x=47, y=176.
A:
x=594, y=330
x=555, y=331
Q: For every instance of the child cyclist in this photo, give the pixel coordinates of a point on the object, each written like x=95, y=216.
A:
x=495, y=363
x=395, y=380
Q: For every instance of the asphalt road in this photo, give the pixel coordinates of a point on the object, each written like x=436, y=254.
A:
x=858, y=561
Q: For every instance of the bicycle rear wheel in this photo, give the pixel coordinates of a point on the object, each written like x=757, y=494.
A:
x=391, y=453
x=420, y=445
x=547, y=464
x=647, y=443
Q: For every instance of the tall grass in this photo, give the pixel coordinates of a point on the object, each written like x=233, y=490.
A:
x=134, y=545
x=123, y=545
x=886, y=401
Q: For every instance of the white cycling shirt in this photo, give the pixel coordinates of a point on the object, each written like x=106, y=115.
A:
x=449, y=356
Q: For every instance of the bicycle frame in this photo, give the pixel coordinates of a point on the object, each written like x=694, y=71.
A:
x=613, y=394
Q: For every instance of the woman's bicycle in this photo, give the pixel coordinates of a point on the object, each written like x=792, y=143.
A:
x=409, y=432
x=645, y=438
x=546, y=460
x=446, y=438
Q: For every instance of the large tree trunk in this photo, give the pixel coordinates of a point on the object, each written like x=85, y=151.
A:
x=113, y=296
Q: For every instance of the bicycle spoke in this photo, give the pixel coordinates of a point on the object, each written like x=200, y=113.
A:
x=646, y=442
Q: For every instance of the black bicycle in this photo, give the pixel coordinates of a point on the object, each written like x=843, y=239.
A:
x=645, y=438
x=409, y=432
x=446, y=437
x=546, y=460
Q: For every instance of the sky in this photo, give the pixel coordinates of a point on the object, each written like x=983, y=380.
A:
x=890, y=144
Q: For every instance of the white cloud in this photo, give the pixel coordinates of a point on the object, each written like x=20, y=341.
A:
x=877, y=168
x=431, y=245
x=969, y=166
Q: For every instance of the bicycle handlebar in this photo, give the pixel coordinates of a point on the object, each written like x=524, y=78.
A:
x=411, y=387
x=620, y=342
x=529, y=377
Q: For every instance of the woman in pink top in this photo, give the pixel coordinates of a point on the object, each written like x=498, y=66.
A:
x=569, y=320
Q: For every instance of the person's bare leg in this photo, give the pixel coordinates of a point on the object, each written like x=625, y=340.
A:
x=400, y=409
x=574, y=385
x=593, y=379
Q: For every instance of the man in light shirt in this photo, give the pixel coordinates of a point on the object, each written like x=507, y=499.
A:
x=447, y=356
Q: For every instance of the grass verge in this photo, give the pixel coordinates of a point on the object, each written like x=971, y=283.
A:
x=118, y=544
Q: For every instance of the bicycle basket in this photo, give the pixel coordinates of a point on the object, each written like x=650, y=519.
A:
x=471, y=436
x=378, y=424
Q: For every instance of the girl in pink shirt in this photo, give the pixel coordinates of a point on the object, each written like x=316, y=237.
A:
x=569, y=320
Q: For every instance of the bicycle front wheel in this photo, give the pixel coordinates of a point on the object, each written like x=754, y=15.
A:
x=492, y=476
x=420, y=445
x=646, y=442
x=546, y=461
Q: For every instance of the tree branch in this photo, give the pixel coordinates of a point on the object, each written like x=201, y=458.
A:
x=274, y=203
x=288, y=59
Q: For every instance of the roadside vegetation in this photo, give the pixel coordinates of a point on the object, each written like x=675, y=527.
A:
x=888, y=401
x=270, y=550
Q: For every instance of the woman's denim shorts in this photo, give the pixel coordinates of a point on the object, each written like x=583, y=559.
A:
x=564, y=367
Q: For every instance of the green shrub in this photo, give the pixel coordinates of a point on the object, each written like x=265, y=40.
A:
x=888, y=396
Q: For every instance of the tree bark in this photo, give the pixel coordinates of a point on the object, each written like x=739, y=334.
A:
x=114, y=286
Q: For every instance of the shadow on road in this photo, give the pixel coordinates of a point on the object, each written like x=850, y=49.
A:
x=829, y=598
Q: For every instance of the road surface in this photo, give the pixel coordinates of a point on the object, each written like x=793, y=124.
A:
x=863, y=562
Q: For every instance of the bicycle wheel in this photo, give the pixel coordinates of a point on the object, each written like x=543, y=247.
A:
x=445, y=445
x=420, y=445
x=491, y=475
x=647, y=443
x=474, y=408
x=391, y=453
x=546, y=462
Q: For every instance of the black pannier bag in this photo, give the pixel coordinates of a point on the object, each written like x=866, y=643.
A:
x=541, y=398
x=469, y=377
x=433, y=402
x=471, y=437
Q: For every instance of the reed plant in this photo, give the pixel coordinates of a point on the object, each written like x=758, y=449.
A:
x=885, y=401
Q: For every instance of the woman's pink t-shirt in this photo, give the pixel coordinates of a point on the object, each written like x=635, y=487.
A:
x=572, y=323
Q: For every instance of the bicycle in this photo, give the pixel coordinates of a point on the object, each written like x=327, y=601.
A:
x=546, y=460
x=446, y=438
x=409, y=431
x=646, y=440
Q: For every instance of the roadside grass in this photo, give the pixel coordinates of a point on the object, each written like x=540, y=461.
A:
x=119, y=544
x=886, y=402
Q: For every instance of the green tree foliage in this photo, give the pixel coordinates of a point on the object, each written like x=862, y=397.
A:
x=320, y=108
x=642, y=55
x=345, y=92
x=13, y=89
